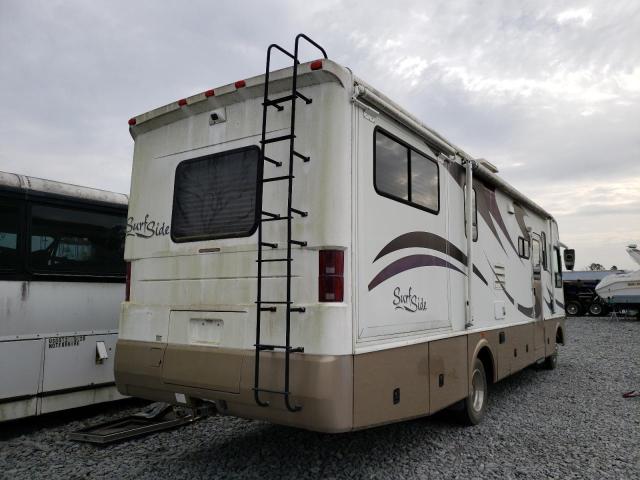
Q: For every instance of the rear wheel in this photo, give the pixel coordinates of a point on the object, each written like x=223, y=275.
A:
x=595, y=309
x=573, y=308
x=475, y=404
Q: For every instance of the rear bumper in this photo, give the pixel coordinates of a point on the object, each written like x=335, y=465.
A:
x=322, y=384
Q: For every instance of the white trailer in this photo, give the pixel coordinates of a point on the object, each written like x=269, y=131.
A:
x=62, y=280
x=311, y=264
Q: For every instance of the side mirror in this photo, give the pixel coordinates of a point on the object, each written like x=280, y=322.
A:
x=569, y=258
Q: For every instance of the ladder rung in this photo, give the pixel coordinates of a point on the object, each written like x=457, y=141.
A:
x=271, y=160
x=299, y=155
x=298, y=242
x=299, y=212
x=298, y=309
x=307, y=100
x=277, y=179
x=263, y=346
x=278, y=139
x=268, y=309
x=276, y=302
x=275, y=260
x=266, y=390
x=276, y=101
x=267, y=244
x=269, y=214
x=274, y=219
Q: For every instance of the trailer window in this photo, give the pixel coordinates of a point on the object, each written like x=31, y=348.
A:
x=524, y=247
x=543, y=244
x=557, y=267
x=404, y=174
x=69, y=241
x=9, y=229
x=217, y=196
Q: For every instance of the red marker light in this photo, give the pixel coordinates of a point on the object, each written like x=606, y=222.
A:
x=182, y=102
x=132, y=122
x=209, y=93
x=240, y=84
x=316, y=65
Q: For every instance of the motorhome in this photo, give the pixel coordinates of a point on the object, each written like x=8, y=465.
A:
x=62, y=277
x=309, y=262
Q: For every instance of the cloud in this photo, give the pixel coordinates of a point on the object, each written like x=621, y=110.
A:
x=580, y=16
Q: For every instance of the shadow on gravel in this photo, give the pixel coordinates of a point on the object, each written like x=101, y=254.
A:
x=29, y=425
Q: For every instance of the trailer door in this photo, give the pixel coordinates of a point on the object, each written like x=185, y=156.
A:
x=401, y=234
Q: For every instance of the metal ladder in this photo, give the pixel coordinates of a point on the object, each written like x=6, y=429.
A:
x=271, y=305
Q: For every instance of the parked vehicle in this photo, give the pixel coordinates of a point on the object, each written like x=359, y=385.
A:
x=62, y=278
x=622, y=290
x=580, y=295
x=308, y=260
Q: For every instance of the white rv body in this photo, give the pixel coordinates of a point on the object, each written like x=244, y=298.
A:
x=189, y=329
x=58, y=329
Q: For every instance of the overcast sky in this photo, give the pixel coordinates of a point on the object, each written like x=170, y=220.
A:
x=548, y=91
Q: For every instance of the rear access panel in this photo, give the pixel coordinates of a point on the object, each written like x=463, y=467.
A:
x=193, y=356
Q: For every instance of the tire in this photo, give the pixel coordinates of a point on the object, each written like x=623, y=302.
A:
x=551, y=362
x=475, y=405
x=596, y=309
x=573, y=309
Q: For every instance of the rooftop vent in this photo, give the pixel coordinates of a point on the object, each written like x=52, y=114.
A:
x=488, y=165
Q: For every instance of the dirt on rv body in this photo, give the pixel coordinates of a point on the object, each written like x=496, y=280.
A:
x=568, y=423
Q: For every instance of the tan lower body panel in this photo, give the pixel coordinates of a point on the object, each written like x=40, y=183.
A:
x=337, y=393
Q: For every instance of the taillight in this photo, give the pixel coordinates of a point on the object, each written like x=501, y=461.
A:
x=331, y=276
x=127, y=291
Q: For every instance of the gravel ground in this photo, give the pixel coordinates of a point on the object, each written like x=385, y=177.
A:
x=567, y=423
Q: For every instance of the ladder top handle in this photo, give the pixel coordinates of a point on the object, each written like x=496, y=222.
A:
x=302, y=35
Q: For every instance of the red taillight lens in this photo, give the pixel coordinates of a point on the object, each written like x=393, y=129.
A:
x=240, y=84
x=127, y=291
x=182, y=102
x=132, y=122
x=331, y=276
x=209, y=93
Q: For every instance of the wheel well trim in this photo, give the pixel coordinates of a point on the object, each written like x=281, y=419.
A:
x=482, y=344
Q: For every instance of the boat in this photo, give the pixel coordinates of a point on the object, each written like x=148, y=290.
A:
x=622, y=288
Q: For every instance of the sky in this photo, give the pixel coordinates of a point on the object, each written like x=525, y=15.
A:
x=548, y=91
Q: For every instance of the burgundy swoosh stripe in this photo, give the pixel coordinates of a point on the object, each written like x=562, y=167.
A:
x=407, y=263
x=423, y=240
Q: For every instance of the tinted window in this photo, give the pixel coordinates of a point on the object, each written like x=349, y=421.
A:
x=405, y=174
x=424, y=181
x=10, y=216
x=392, y=166
x=217, y=196
x=78, y=242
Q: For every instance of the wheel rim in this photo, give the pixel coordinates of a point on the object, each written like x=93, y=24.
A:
x=596, y=309
x=479, y=386
x=572, y=309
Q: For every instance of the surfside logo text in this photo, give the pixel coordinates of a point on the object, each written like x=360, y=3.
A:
x=408, y=301
x=147, y=228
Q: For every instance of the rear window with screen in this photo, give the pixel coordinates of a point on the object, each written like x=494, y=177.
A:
x=217, y=196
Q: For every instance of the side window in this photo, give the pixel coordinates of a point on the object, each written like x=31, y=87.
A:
x=543, y=252
x=524, y=247
x=10, y=220
x=535, y=255
x=557, y=267
x=474, y=209
x=404, y=174
x=71, y=241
